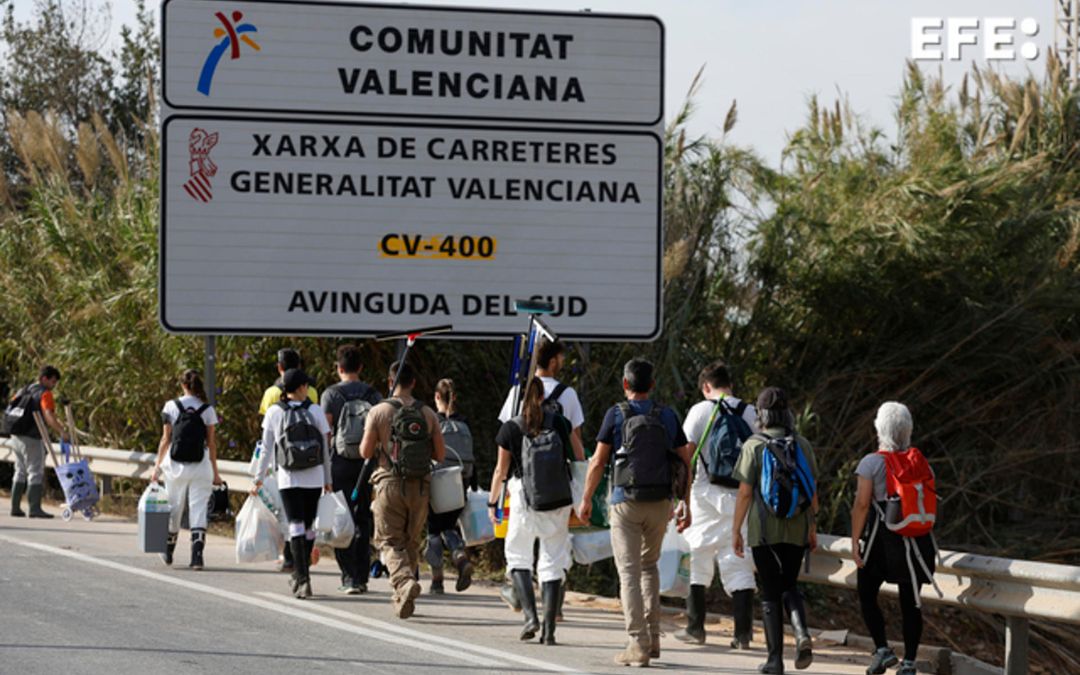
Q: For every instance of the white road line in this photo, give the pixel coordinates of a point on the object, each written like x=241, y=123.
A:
x=281, y=608
x=457, y=645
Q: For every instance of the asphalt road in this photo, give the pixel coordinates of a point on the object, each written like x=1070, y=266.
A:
x=78, y=597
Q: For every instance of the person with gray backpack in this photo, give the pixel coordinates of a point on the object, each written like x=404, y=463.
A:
x=403, y=436
x=347, y=405
x=650, y=456
x=443, y=529
x=296, y=439
x=535, y=450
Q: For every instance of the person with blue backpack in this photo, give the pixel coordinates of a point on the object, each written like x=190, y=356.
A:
x=346, y=405
x=535, y=452
x=650, y=456
x=443, y=529
x=777, y=474
x=717, y=427
x=187, y=457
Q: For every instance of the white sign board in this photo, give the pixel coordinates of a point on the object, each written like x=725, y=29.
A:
x=326, y=58
x=294, y=226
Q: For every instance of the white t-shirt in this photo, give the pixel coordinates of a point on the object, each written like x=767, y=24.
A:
x=571, y=405
x=169, y=412
x=697, y=419
x=313, y=477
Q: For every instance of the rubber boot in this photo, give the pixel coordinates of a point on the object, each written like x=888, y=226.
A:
x=299, y=577
x=550, y=591
x=744, y=618
x=510, y=596
x=17, y=492
x=170, y=548
x=464, y=569
x=562, y=600
x=804, y=652
x=694, y=633
x=33, y=497
x=198, y=542
x=310, y=561
x=523, y=588
x=773, y=618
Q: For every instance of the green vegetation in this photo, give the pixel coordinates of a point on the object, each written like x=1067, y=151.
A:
x=939, y=266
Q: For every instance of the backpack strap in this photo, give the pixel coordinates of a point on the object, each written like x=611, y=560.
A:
x=557, y=392
x=704, y=437
x=740, y=409
x=203, y=408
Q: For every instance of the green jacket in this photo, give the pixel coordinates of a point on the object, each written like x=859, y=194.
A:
x=776, y=530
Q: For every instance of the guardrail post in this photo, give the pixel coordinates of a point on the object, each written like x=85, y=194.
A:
x=1016, y=645
x=106, y=486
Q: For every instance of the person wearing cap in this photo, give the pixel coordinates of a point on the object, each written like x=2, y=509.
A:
x=300, y=488
x=778, y=545
x=400, y=502
x=287, y=359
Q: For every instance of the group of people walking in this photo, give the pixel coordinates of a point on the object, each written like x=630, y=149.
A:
x=734, y=476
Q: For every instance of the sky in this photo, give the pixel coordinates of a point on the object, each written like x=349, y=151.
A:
x=772, y=55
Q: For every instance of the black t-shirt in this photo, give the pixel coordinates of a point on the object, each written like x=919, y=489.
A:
x=510, y=437
x=335, y=396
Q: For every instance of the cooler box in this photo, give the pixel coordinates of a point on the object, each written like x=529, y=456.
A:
x=154, y=519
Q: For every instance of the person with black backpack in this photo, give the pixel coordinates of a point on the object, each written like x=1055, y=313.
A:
x=717, y=427
x=346, y=405
x=443, y=529
x=534, y=452
x=187, y=457
x=403, y=436
x=651, y=459
x=296, y=440
x=26, y=440
x=777, y=474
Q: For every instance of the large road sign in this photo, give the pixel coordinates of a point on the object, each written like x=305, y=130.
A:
x=412, y=61
x=295, y=226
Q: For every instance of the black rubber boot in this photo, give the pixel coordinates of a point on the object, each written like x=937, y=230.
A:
x=550, y=591
x=33, y=498
x=299, y=577
x=510, y=596
x=562, y=600
x=464, y=569
x=170, y=548
x=773, y=618
x=17, y=492
x=198, y=543
x=744, y=618
x=694, y=633
x=523, y=588
x=804, y=652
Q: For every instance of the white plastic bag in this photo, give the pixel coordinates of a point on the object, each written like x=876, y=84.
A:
x=674, y=564
x=334, y=524
x=258, y=534
x=591, y=546
x=578, y=471
x=476, y=527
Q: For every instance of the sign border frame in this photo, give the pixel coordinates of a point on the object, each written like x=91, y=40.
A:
x=476, y=10
x=657, y=328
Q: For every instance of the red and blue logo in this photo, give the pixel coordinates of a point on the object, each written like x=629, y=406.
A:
x=232, y=34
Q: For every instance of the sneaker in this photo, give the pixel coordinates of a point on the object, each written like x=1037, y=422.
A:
x=882, y=659
x=690, y=637
x=358, y=589
x=347, y=589
x=634, y=655
x=907, y=668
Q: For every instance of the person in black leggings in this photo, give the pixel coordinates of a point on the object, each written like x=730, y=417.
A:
x=778, y=544
x=887, y=561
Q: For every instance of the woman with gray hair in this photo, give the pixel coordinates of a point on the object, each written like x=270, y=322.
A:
x=887, y=557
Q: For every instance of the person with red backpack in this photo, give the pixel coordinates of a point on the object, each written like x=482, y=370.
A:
x=894, y=544
x=777, y=472
x=187, y=457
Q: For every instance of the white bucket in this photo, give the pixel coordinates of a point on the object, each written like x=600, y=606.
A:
x=447, y=490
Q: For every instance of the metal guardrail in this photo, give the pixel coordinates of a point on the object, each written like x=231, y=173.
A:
x=1018, y=589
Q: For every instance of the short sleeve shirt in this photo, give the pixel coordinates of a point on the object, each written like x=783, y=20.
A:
x=272, y=395
x=571, y=404
x=763, y=527
x=872, y=467
x=312, y=477
x=697, y=421
x=611, y=432
x=379, y=421
x=510, y=437
x=47, y=401
x=170, y=413
x=335, y=396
